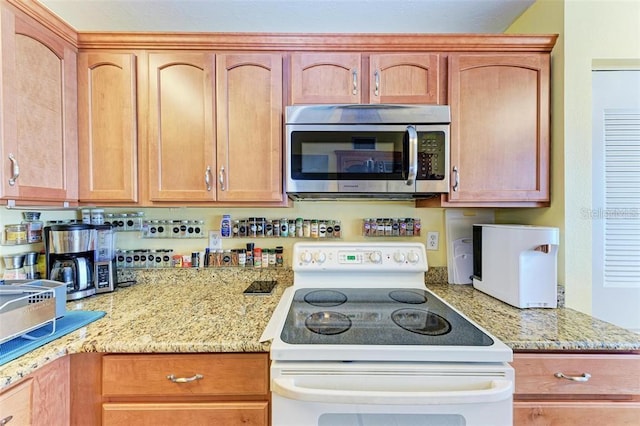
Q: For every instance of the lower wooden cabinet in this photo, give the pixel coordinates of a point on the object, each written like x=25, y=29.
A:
x=41, y=399
x=576, y=389
x=199, y=389
x=220, y=413
x=15, y=404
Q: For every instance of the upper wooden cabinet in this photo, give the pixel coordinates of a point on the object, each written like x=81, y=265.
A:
x=405, y=78
x=351, y=78
x=249, y=127
x=215, y=134
x=326, y=78
x=499, y=128
x=181, y=132
x=39, y=112
x=107, y=127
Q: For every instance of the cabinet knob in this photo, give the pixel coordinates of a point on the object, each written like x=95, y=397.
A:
x=6, y=420
x=582, y=378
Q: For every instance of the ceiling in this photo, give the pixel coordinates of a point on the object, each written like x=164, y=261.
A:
x=304, y=16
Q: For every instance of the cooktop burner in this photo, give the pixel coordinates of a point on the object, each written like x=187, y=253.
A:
x=377, y=316
x=326, y=322
x=421, y=322
x=325, y=298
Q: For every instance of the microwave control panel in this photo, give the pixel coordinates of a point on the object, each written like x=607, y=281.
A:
x=431, y=156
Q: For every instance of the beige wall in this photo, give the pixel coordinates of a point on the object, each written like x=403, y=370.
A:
x=349, y=213
x=593, y=31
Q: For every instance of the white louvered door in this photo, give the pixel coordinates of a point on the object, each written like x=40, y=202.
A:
x=616, y=197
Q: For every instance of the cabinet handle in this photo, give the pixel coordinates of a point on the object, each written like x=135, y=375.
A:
x=413, y=156
x=582, y=378
x=376, y=76
x=354, y=74
x=221, y=178
x=15, y=171
x=5, y=420
x=193, y=378
x=207, y=178
x=456, y=179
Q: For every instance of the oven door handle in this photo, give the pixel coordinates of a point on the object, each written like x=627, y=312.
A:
x=498, y=390
x=413, y=156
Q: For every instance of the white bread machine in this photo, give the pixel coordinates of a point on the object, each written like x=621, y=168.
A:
x=517, y=263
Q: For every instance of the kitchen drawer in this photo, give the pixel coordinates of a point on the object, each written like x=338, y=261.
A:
x=575, y=413
x=153, y=414
x=15, y=404
x=612, y=376
x=222, y=375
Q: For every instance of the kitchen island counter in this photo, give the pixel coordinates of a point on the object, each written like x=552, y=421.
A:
x=202, y=311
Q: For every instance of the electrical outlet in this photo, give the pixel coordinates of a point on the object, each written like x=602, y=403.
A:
x=432, y=240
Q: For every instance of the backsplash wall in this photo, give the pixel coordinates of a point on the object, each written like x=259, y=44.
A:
x=350, y=214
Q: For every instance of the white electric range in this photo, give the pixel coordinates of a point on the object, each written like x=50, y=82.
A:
x=359, y=340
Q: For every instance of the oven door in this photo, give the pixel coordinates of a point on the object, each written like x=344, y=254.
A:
x=367, y=158
x=398, y=394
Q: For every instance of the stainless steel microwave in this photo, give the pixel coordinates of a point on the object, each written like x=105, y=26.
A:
x=367, y=151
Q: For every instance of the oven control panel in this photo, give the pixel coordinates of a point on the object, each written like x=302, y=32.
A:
x=359, y=256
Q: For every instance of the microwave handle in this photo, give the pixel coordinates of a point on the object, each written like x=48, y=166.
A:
x=413, y=155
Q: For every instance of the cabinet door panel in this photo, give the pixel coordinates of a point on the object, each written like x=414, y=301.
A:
x=39, y=107
x=107, y=127
x=249, y=142
x=15, y=404
x=325, y=78
x=152, y=414
x=499, y=128
x=575, y=413
x=181, y=126
x=404, y=78
x=223, y=374
x=608, y=375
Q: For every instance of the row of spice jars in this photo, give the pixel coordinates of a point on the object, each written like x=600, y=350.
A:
x=145, y=258
x=286, y=228
x=391, y=227
x=169, y=228
x=251, y=257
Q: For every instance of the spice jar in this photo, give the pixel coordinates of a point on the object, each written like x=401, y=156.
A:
x=34, y=227
x=15, y=234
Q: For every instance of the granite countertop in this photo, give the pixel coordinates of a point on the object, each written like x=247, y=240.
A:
x=206, y=311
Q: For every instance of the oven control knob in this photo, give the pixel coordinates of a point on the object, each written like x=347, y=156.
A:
x=398, y=257
x=320, y=257
x=375, y=257
x=413, y=257
x=305, y=257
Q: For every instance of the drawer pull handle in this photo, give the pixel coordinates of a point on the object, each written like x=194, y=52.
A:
x=175, y=379
x=582, y=378
x=5, y=420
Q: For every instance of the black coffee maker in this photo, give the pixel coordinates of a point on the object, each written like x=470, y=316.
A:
x=70, y=254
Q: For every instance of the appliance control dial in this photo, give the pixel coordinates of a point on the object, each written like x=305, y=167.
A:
x=413, y=257
x=320, y=257
x=399, y=257
x=305, y=257
x=375, y=257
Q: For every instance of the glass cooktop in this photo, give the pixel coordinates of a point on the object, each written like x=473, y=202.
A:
x=378, y=316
